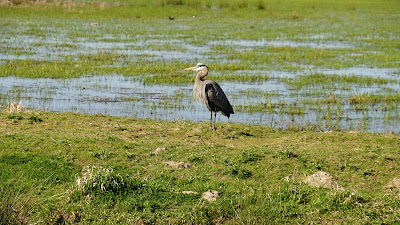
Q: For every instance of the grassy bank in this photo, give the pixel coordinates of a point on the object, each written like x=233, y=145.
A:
x=95, y=169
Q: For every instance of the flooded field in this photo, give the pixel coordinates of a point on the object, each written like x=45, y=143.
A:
x=270, y=103
x=288, y=70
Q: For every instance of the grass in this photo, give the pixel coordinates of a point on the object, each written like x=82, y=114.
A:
x=268, y=107
x=335, y=81
x=85, y=168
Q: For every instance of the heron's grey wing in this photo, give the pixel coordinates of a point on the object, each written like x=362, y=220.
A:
x=216, y=95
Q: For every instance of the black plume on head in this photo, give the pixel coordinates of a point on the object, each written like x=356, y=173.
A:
x=201, y=65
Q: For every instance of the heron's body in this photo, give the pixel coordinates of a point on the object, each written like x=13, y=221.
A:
x=211, y=93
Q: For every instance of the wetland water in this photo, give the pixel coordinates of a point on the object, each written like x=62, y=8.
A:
x=270, y=102
x=295, y=74
x=273, y=102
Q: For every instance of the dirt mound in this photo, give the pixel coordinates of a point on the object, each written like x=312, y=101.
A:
x=178, y=165
x=394, y=184
x=159, y=150
x=322, y=179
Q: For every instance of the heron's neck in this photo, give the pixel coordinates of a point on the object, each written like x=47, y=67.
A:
x=201, y=74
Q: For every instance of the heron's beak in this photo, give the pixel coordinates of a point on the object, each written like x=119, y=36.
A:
x=191, y=68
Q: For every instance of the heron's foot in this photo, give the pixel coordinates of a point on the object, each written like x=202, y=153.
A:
x=213, y=128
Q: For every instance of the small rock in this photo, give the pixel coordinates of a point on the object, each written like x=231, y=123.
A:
x=189, y=192
x=353, y=132
x=210, y=195
x=323, y=179
x=159, y=150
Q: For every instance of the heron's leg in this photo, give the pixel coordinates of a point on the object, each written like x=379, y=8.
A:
x=215, y=117
x=210, y=119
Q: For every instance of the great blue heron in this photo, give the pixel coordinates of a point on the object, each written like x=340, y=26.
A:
x=211, y=93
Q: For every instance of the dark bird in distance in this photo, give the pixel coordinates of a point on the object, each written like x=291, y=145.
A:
x=211, y=93
x=171, y=18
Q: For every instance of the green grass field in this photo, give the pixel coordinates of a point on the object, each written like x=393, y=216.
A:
x=66, y=168
x=258, y=172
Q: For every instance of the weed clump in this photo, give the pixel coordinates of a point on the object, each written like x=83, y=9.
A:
x=100, y=181
x=14, y=116
x=35, y=119
x=234, y=170
x=15, y=107
x=287, y=153
x=250, y=157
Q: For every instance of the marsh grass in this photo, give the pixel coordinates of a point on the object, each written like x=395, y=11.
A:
x=334, y=81
x=374, y=98
x=268, y=107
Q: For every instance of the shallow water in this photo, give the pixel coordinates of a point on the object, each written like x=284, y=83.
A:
x=283, y=43
x=124, y=96
x=271, y=102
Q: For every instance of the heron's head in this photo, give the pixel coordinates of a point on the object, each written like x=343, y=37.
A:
x=199, y=66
